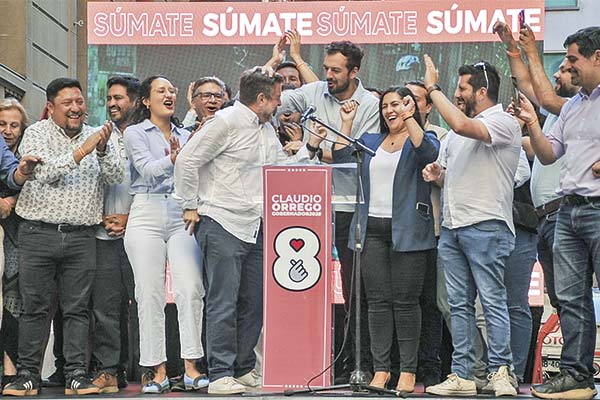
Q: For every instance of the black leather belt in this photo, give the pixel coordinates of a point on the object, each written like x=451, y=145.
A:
x=548, y=208
x=63, y=228
x=577, y=200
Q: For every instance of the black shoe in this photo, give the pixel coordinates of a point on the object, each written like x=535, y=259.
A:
x=122, y=379
x=6, y=379
x=565, y=386
x=80, y=385
x=23, y=385
x=57, y=379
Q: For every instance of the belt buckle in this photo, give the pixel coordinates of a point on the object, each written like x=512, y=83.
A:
x=61, y=226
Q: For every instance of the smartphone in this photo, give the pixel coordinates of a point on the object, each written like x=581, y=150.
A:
x=521, y=19
x=515, y=96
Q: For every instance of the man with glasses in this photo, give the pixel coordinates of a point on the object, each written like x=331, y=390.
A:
x=477, y=171
x=206, y=97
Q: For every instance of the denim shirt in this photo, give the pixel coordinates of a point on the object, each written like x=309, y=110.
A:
x=8, y=165
x=149, y=155
x=412, y=226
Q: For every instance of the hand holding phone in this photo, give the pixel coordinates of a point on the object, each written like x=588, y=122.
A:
x=521, y=19
x=515, y=96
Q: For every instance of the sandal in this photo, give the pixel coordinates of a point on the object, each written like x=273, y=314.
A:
x=153, y=387
x=199, y=382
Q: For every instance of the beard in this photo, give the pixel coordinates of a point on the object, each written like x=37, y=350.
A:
x=340, y=88
x=564, y=91
x=469, y=107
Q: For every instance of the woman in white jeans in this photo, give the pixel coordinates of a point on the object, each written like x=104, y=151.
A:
x=156, y=234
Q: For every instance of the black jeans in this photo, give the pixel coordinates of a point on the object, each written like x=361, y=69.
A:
x=49, y=259
x=106, y=305
x=430, y=363
x=233, y=300
x=393, y=282
x=545, y=243
x=346, y=255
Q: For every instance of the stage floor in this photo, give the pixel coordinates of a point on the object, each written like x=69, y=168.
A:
x=133, y=391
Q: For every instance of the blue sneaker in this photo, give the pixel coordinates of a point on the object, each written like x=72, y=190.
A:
x=196, y=383
x=153, y=387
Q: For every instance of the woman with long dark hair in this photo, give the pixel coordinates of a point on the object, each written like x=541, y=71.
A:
x=156, y=235
x=397, y=228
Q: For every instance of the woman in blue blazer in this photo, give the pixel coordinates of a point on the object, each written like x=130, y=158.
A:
x=397, y=228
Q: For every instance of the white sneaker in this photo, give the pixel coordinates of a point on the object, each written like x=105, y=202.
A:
x=226, y=385
x=252, y=380
x=501, y=383
x=454, y=385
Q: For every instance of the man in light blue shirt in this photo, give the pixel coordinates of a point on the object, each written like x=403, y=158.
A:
x=576, y=137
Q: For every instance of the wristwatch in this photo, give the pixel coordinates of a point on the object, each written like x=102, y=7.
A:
x=433, y=87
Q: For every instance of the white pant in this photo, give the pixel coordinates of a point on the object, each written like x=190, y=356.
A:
x=155, y=233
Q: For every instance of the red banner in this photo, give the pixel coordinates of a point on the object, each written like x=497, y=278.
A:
x=422, y=21
x=297, y=277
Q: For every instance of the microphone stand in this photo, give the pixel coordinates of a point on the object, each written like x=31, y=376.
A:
x=358, y=380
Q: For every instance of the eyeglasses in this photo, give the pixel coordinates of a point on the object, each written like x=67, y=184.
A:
x=482, y=64
x=208, y=95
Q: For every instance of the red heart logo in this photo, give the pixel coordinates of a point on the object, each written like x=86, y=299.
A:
x=297, y=244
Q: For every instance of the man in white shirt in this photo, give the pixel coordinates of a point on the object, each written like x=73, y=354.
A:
x=477, y=234
x=218, y=181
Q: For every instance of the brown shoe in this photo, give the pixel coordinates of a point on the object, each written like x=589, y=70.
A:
x=107, y=383
x=380, y=379
x=406, y=383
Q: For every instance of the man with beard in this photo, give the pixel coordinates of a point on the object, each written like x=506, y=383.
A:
x=577, y=236
x=477, y=169
x=61, y=208
x=113, y=284
x=534, y=84
x=341, y=65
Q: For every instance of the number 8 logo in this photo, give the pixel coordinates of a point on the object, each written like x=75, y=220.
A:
x=297, y=267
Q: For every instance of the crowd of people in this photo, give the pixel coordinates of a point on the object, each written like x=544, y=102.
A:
x=94, y=218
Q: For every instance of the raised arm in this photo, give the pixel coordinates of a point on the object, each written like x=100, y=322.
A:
x=306, y=72
x=518, y=67
x=542, y=86
x=456, y=119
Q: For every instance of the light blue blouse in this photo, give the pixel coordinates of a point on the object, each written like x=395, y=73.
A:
x=149, y=154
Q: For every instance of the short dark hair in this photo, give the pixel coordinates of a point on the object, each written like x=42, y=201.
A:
x=402, y=92
x=254, y=81
x=374, y=89
x=420, y=84
x=478, y=72
x=208, y=79
x=587, y=39
x=287, y=64
x=130, y=83
x=59, y=84
x=352, y=52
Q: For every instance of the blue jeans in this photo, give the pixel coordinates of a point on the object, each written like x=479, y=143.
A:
x=474, y=259
x=517, y=279
x=576, y=258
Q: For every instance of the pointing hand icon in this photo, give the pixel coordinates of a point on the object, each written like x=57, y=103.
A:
x=297, y=273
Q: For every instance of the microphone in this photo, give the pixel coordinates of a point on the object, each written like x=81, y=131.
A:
x=308, y=112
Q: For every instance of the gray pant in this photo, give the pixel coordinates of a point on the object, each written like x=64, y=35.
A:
x=234, y=289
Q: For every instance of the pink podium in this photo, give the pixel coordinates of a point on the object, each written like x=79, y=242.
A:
x=297, y=276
